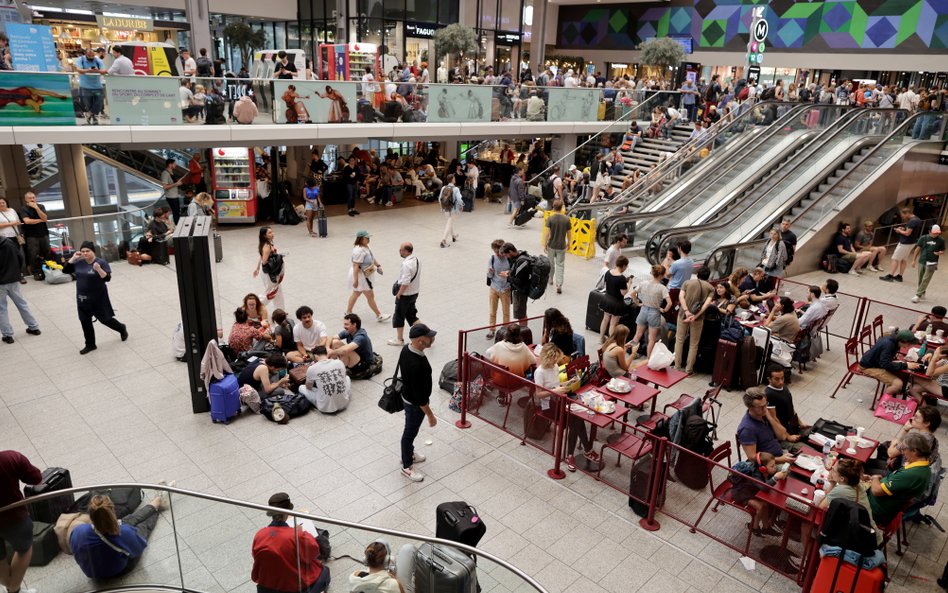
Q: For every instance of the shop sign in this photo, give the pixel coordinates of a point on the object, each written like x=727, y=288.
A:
x=421, y=30
x=507, y=38
x=127, y=23
x=617, y=66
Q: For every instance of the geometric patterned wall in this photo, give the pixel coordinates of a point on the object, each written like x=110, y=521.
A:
x=919, y=26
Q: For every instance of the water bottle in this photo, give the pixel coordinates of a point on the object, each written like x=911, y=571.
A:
x=827, y=447
x=145, y=119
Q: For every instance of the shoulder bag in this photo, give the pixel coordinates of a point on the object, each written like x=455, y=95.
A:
x=397, y=286
x=391, y=400
x=16, y=230
x=368, y=271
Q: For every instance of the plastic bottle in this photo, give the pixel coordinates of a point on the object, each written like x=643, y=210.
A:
x=827, y=447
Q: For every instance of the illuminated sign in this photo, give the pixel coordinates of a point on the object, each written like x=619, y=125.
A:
x=507, y=38
x=421, y=30
x=129, y=23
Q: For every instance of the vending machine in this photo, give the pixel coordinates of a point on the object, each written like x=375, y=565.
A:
x=232, y=179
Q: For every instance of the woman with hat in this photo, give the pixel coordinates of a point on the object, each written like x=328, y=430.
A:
x=362, y=275
x=92, y=295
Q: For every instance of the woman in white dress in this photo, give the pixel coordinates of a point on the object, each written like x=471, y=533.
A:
x=362, y=275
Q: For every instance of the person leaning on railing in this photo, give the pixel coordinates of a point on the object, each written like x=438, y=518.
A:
x=285, y=558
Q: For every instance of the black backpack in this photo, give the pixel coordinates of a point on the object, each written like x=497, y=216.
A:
x=847, y=526
x=294, y=404
x=205, y=67
x=696, y=435
x=769, y=93
x=549, y=193
x=539, y=276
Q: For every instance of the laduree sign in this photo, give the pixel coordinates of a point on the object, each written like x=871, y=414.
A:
x=128, y=23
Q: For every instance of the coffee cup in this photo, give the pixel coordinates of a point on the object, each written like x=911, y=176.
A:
x=840, y=439
x=940, y=333
x=818, y=496
x=859, y=431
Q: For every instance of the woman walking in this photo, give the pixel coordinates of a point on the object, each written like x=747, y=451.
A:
x=271, y=262
x=92, y=294
x=362, y=274
x=773, y=259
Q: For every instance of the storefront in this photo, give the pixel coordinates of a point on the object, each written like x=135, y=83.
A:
x=419, y=46
x=619, y=69
x=506, y=51
x=74, y=33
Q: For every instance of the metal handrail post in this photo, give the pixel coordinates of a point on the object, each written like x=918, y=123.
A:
x=656, y=485
x=558, y=433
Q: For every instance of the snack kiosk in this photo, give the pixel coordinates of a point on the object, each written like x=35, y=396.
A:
x=232, y=181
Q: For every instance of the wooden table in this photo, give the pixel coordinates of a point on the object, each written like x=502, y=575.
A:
x=665, y=378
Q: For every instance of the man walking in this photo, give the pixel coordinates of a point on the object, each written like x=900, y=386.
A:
x=519, y=278
x=908, y=236
x=451, y=205
x=409, y=282
x=416, y=392
x=925, y=257
x=11, y=262
x=695, y=298
x=16, y=527
x=559, y=237
x=517, y=192
x=36, y=232
x=170, y=187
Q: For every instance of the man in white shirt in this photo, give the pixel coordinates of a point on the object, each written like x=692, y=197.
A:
x=908, y=100
x=327, y=386
x=570, y=81
x=307, y=334
x=369, y=86
x=122, y=66
x=535, y=107
x=699, y=132
x=673, y=116
x=188, y=64
x=409, y=283
x=471, y=175
x=815, y=311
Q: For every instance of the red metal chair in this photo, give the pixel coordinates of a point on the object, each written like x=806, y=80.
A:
x=824, y=326
x=577, y=365
x=877, y=329
x=684, y=400
x=865, y=339
x=628, y=445
x=852, y=369
x=721, y=493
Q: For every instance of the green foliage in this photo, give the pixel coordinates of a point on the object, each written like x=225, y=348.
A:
x=246, y=39
x=454, y=40
x=662, y=53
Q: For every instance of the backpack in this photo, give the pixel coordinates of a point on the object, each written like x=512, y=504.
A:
x=205, y=67
x=696, y=435
x=549, y=192
x=447, y=199
x=294, y=404
x=731, y=330
x=709, y=95
x=769, y=93
x=805, y=95
x=846, y=525
x=449, y=376
x=743, y=94
x=539, y=276
x=519, y=280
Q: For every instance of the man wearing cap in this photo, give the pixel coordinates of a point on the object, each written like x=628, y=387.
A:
x=880, y=364
x=406, y=294
x=276, y=568
x=925, y=257
x=416, y=391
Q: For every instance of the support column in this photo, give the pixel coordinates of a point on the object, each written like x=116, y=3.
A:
x=538, y=37
x=563, y=144
x=74, y=185
x=13, y=174
x=200, y=21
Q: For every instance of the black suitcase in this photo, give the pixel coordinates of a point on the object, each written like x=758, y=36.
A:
x=524, y=216
x=449, y=376
x=321, y=223
x=218, y=248
x=467, y=197
x=45, y=544
x=159, y=254
x=724, y=364
x=458, y=522
x=442, y=569
x=47, y=511
x=593, y=313
x=748, y=363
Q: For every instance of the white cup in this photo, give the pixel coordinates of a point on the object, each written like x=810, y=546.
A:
x=818, y=496
x=840, y=439
x=940, y=333
x=859, y=431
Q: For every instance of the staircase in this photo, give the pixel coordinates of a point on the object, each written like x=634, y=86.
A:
x=651, y=151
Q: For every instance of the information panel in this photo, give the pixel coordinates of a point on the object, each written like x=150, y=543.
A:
x=143, y=101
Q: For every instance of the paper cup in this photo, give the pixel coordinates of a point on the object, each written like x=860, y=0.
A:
x=859, y=431
x=818, y=496
x=840, y=439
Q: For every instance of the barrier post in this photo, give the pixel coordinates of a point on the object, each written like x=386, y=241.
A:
x=462, y=376
x=648, y=522
x=812, y=562
x=557, y=472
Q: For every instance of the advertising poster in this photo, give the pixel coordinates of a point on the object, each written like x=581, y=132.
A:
x=143, y=101
x=315, y=101
x=28, y=99
x=32, y=48
x=572, y=104
x=459, y=103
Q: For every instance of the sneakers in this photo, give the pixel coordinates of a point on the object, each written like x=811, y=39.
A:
x=418, y=458
x=443, y=244
x=411, y=474
x=917, y=298
x=490, y=335
x=897, y=278
x=85, y=350
x=383, y=317
x=571, y=463
x=394, y=342
x=854, y=273
x=9, y=340
x=124, y=333
x=887, y=278
x=34, y=332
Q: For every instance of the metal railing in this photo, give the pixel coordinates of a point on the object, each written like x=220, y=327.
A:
x=212, y=538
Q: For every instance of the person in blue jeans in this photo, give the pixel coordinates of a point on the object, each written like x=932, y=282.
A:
x=416, y=392
x=91, y=69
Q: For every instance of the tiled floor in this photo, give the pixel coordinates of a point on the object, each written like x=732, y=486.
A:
x=123, y=413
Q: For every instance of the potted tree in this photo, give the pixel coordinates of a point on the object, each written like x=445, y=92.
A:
x=454, y=41
x=246, y=38
x=663, y=54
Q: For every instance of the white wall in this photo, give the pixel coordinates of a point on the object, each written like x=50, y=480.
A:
x=280, y=10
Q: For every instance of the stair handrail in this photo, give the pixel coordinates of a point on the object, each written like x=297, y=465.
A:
x=281, y=511
x=827, y=135
x=898, y=131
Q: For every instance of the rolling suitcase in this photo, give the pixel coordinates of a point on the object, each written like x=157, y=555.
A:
x=747, y=363
x=321, y=223
x=442, y=569
x=160, y=253
x=524, y=216
x=459, y=522
x=45, y=544
x=834, y=576
x=224, y=396
x=218, y=248
x=724, y=359
x=593, y=312
x=47, y=511
x=467, y=197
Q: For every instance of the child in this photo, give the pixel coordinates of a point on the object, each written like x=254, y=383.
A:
x=762, y=467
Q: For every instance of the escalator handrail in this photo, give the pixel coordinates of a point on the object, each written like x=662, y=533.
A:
x=113, y=153
x=623, y=198
x=713, y=175
x=821, y=140
x=119, y=212
x=899, y=131
x=624, y=118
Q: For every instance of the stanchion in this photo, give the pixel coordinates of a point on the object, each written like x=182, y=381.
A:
x=556, y=472
x=648, y=522
x=462, y=377
x=812, y=563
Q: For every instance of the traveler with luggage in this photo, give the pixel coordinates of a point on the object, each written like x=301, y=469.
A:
x=416, y=393
x=519, y=277
x=92, y=294
x=107, y=548
x=517, y=192
x=285, y=558
x=16, y=526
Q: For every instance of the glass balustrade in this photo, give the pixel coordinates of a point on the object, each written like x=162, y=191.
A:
x=202, y=542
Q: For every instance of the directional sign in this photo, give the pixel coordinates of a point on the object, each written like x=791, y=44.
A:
x=760, y=30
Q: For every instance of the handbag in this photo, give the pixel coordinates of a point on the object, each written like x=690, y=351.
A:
x=16, y=230
x=894, y=409
x=368, y=271
x=397, y=286
x=391, y=400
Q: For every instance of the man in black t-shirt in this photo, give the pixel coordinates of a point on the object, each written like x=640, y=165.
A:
x=35, y=231
x=843, y=248
x=909, y=233
x=284, y=68
x=415, y=371
x=789, y=239
x=781, y=399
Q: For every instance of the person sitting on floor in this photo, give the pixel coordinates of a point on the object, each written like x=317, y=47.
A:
x=242, y=333
x=157, y=231
x=327, y=386
x=107, y=548
x=268, y=377
x=281, y=332
x=307, y=334
x=888, y=496
x=879, y=361
x=354, y=348
x=512, y=352
x=763, y=467
x=379, y=578
x=285, y=558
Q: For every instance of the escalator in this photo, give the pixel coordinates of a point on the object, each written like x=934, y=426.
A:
x=703, y=191
x=820, y=202
x=752, y=204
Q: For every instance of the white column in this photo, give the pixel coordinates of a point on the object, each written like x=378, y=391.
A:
x=538, y=36
x=200, y=21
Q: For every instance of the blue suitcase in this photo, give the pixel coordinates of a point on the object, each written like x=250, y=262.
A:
x=225, y=399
